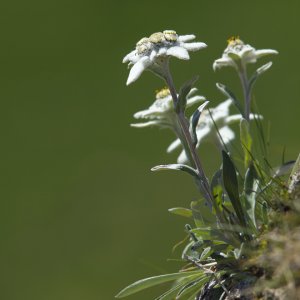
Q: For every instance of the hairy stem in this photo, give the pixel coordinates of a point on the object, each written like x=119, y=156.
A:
x=188, y=141
x=247, y=94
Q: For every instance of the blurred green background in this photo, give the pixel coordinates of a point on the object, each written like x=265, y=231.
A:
x=81, y=215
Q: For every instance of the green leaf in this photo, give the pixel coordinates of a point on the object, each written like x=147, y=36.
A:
x=153, y=281
x=178, y=244
x=194, y=295
x=189, y=252
x=202, y=213
x=246, y=141
x=172, y=293
x=231, y=186
x=216, y=187
x=265, y=216
x=184, y=90
x=177, y=167
x=257, y=73
x=238, y=251
x=188, y=228
x=192, y=286
x=195, y=120
x=203, y=232
x=250, y=189
x=205, y=253
x=228, y=93
x=180, y=211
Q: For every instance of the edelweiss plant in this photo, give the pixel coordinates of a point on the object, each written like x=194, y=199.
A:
x=236, y=207
x=152, y=53
x=238, y=55
x=162, y=113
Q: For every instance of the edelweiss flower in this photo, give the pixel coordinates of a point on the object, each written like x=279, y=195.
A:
x=161, y=112
x=206, y=130
x=237, y=54
x=153, y=52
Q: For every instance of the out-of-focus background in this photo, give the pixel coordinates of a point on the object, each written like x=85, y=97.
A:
x=81, y=215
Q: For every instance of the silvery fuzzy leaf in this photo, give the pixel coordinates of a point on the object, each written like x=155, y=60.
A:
x=177, y=167
x=195, y=120
x=257, y=73
x=183, y=93
x=250, y=188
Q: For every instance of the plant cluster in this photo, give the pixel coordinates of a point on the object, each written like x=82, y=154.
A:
x=230, y=225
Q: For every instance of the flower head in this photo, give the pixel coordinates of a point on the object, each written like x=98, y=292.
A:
x=206, y=129
x=153, y=52
x=162, y=113
x=237, y=54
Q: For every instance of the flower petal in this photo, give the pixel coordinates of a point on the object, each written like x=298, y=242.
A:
x=146, y=124
x=174, y=145
x=142, y=114
x=255, y=117
x=186, y=38
x=182, y=158
x=162, y=51
x=153, y=55
x=224, y=105
x=193, y=100
x=236, y=118
x=221, y=111
x=194, y=46
x=192, y=92
x=203, y=133
x=248, y=56
x=227, y=134
x=129, y=57
x=222, y=62
x=232, y=119
x=264, y=52
x=138, y=68
x=178, y=52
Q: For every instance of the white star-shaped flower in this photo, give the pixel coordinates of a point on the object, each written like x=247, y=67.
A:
x=237, y=54
x=153, y=52
x=206, y=130
x=162, y=113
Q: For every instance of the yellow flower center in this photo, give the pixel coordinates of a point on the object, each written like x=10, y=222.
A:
x=234, y=40
x=162, y=93
x=143, y=45
x=170, y=35
x=157, y=37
